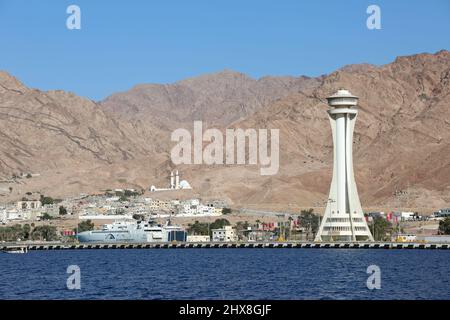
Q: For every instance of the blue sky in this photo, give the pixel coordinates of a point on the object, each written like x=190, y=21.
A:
x=123, y=43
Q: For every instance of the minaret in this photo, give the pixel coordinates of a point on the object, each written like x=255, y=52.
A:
x=172, y=186
x=177, y=181
x=343, y=219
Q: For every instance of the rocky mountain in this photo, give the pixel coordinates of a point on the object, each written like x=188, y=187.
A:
x=69, y=143
x=402, y=135
x=401, y=147
x=219, y=99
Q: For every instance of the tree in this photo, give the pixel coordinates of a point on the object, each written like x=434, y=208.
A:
x=309, y=220
x=12, y=233
x=10, y=189
x=381, y=229
x=62, y=211
x=202, y=228
x=26, y=231
x=444, y=226
x=219, y=224
x=129, y=193
x=29, y=176
x=226, y=210
x=86, y=225
x=138, y=217
x=241, y=226
x=46, y=233
x=46, y=200
x=397, y=228
x=198, y=228
x=46, y=216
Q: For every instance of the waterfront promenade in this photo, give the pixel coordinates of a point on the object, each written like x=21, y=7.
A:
x=225, y=245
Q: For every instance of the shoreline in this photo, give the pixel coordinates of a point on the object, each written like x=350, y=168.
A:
x=227, y=245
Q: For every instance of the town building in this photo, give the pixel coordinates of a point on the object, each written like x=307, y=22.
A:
x=198, y=238
x=225, y=234
x=28, y=204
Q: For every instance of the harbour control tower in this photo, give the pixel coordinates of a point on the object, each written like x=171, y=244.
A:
x=343, y=219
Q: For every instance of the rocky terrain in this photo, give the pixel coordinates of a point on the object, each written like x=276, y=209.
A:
x=401, y=148
x=218, y=99
x=401, y=138
x=67, y=143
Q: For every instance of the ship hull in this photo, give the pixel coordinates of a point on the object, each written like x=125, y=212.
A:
x=130, y=236
x=111, y=236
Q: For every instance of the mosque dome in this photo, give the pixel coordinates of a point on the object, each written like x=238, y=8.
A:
x=185, y=185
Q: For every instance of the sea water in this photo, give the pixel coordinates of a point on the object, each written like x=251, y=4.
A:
x=226, y=274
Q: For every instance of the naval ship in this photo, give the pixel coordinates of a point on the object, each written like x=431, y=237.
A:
x=134, y=231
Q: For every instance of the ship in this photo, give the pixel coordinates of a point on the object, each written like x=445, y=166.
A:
x=19, y=250
x=134, y=231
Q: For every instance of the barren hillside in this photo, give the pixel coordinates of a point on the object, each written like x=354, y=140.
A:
x=402, y=135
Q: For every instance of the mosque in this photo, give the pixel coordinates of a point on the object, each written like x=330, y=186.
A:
x=175, y=184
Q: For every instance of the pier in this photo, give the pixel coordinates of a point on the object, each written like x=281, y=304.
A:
x=225, y=245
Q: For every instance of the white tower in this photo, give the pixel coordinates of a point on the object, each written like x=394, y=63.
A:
x=172, y=185
x=343, y=219
x=177, y=180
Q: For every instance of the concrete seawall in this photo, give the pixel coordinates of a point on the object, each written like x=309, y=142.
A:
x=225, y=245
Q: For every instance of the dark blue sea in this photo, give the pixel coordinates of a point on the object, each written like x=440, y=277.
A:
x=226, y=274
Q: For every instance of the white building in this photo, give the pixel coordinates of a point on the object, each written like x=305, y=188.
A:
x=112, y=199
x=187, y=209
x=3, y=216
x=28, y=204
x=198, y=238
x=206, y=210
x=225, y=234
x=405, y=216
x=174, y=184
x=194, y=207
x=14, y=214
x=158, y=205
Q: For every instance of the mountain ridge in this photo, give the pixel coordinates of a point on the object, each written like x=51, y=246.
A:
x=402, y=135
